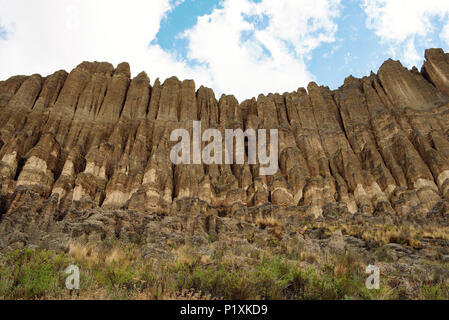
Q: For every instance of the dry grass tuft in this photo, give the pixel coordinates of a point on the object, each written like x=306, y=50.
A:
x=80, y=252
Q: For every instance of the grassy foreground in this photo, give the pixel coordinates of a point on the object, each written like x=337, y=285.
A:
x=121, y=273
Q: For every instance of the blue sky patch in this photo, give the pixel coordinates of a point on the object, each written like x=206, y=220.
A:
x=259, y=22
x=183, y=17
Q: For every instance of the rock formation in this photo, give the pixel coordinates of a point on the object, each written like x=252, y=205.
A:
x=97, y=141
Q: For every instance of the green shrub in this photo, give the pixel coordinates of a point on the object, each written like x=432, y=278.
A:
x=29, y=274
x=436, y=292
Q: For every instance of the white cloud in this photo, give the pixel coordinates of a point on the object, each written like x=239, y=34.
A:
x=444, y=35
x=242, y=66
x=403, y=25
x=44, y=36
x=47, y=35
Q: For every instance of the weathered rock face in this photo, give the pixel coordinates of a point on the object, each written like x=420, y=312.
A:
x=99, y=140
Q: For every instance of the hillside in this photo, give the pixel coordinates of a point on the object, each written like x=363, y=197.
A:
x=363, y=170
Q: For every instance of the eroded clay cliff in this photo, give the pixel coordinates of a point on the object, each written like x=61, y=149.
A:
x=95, y=139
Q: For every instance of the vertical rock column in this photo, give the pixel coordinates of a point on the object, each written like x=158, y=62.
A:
x=356, y=121
x=41, y=166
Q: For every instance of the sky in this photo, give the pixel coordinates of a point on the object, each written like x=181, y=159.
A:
x=239, y=47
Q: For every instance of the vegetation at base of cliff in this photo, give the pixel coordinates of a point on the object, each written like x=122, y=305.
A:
x=273, y=278
x=121, y=273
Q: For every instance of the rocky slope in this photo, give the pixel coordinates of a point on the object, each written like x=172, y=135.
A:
x=85, y=155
